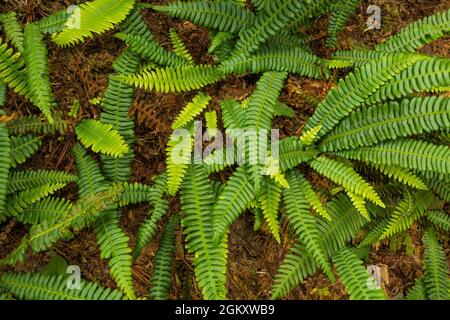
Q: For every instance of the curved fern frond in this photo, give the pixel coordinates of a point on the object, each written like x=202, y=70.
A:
x=191, y=110
x=179, y=149
x=210, y=260
x=101, y=137
x=269, y=200
x=304, y=224
x=410, y=154
x=355, y=277
x=13, y=30
x=403, y=175
x=179, y=47
x=162, y=268
x=339, y=17
x=34, y=124
x=293, y=153
x=261, y=107
x=439, y=219
x=355, y=88
x=359, y=203
x=23, y=180
x=90, y=179
x=4, y=166
x=54, y=22
x=369, y=126
x=312, y=197
x=347, y=177
x=178, y=79
x=233, y=115
x=48, y=209
x=96, y=16
x=235, y=198
x=36, y=59
x=283, y=110
x=436, y=269
x=23, y=148
x=418, y=34
x=217, y=15
x=418, y=291
x=37, y=286
x=12, y=70
x=113, y=243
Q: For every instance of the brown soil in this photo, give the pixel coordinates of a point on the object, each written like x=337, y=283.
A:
x=81, y=73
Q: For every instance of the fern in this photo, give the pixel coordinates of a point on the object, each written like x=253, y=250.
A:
x=54, y=22
x=96, y=16
x=34, y=124
x=101, y=137
x=340, y=14
x=24, y=180
x=344, y=175
x=220, y=15
x=36, y=60
x=405, y=153
x=178, y=79
x=418, y=291
x=269, y=200
x=22, y=148
x=355, y=277
x=48, y=209
x=35, y=286
x=293, y=153
x=13, y=30
x=403, y=175
x=418, y=34
x=192, y=109
x=297, y=210
x=179, y=149
x=436, y=270
x=197, y=221
x=4, y=166
x=235, y=198
x=369, y=126
x=179, y=47
x=12, y=70
x=439, y=219
x=312, y=197
x=162, y=270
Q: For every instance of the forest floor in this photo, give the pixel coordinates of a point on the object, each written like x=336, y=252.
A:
x=81, y=72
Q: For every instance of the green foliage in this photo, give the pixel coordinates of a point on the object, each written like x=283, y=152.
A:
x=339, y=16
x=179, y=149
x=24, y=180
x=197, y=220
x=269, y=200
x=12, y=70
x=34, y=124
x=179, y=47
x=48, y=209
x=191, y=110
x=439, y=219
x=101, y=137
x=4, y=166
x=162, y=269
x=217, y=15
x=436, y=269
x=22, y=148
x=36, y=60
x=35, y=286
x=355, y=277
x=12, y=29
x=95, y=16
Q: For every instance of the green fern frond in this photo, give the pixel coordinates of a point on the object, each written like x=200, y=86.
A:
x=418, y=34
x=177, y=79
x=218, y=40
x=211, y=123
x=36, y=286
x=49, y=209
x=134, y=193
x=235, y=198
x=101, y=137
x=312, y=197
x=309, y=136
x=261, y=107
x=436, y=268
x=359, y=203
x=281, y=59
x=90, y=179
x=12, y=70
x=178, y=152
x=217, y=15
x=439, y=219
x=3, y=93
x=135, y=23
x=113, y=243
x=210, y=260
x=23, y=148
x=283, y=110
x=403, y=175
x=37, y=125
x=293, y=153
x=410, y=154
x=23, y=180
x=347, y=177
x=355, y=277
x=162, y=268
x=390, y=121
x=191, y=110
x=304, y=224
x=96, y=16
x=269, y=200
x=4, y=166
x=179, y=47
x=150, y=50
x=233, y=116
x=418, y=291
x=411, y=208
x=356, y=88
x=54, y=22
x=36, y=59
x=440, y=185
x=339, y=17
x=13, y=30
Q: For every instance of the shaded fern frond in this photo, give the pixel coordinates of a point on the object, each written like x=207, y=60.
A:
x=403, y=175
x=418, y=291
x=13, y=30
x=22, y=148
x=4, y=166
x=439, y=219
x=340, y=14
x=36, y=125
x=23, y=180
x=162, y=270
x=49, y=209
x=293, y=153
